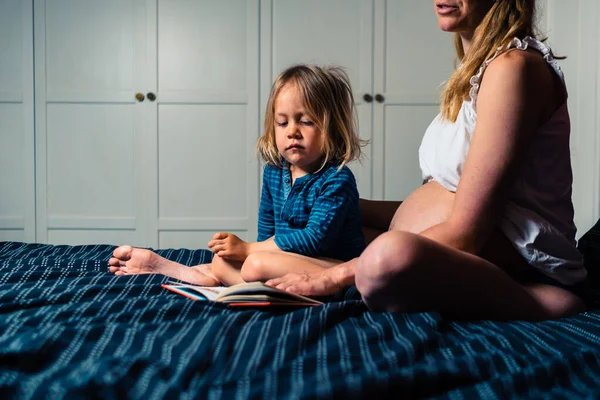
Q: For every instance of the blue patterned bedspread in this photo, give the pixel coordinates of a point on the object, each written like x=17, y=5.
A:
x=70, y=329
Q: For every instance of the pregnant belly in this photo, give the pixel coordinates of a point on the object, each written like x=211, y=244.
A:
x=429, y=205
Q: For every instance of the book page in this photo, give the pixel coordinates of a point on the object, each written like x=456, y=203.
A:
x=210, y=292
x=258, y=289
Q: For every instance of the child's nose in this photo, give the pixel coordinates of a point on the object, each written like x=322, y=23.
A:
x=293, y=130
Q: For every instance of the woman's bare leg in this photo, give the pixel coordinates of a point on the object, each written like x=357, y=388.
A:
x=266, y=265
x=127, y=260
x=401, y=271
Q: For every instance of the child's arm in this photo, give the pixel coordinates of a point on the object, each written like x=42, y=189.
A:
x=266, y=213
x=337, y=198
x=230, y=246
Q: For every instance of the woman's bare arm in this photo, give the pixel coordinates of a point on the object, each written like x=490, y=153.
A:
x=511, y=105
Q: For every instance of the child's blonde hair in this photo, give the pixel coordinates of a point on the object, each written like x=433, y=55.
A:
x=327, y=95
x=506, y=20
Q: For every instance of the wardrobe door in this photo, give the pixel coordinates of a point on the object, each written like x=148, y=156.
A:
x=409, y=75
x=206, y=113
x=90, y=128
x=325, y=32
x=17, y=207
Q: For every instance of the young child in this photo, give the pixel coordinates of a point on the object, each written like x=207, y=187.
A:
x=309, y=216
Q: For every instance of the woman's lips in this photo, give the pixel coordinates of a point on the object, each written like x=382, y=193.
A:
x=444, y=9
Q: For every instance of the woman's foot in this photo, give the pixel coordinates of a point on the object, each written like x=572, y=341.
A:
x=128, y=260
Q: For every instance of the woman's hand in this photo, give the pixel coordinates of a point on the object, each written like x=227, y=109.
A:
x=229, y=246
x=323, y=283
x=314, y=284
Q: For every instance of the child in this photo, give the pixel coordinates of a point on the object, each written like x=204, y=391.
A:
x=309, y=216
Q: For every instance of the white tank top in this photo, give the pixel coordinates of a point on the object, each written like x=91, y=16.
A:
x=538, y=218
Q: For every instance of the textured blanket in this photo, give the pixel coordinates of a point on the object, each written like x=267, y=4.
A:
x=68, y=328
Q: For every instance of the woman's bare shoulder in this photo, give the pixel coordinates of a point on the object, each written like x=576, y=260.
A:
x=529, y=71
x=529, y=64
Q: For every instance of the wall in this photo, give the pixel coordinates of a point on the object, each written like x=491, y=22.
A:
x=572, y=28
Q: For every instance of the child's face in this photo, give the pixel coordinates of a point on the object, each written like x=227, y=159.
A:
x=298, y=139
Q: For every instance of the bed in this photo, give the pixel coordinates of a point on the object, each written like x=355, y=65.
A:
x=70, y=329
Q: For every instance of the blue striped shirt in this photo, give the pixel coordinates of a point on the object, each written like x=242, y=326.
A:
x=317, y=216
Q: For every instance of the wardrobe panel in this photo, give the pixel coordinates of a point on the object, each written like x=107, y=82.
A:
x=11, y=47
x=91, y=130
x=17, y=203
x=194, y=239
x=202, y=46
x=202, y=160
x=93, y=236
x=90, y=160
x=206, y=114
x=317, y=31
x=13, y=177
x=90, y=45
x=402, y=173
x=418, y=55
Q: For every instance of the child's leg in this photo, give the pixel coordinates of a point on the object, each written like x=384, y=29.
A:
x=227, y=271
x=266, y=265
x=127, y=260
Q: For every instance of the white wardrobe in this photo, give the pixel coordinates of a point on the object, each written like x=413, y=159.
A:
x=135, y=121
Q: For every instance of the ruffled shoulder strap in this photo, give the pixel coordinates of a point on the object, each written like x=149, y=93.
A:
x=516, y=43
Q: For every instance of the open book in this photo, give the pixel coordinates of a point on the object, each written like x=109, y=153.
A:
x=251, y=294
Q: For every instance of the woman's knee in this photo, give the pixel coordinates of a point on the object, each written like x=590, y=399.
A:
x=389, y=263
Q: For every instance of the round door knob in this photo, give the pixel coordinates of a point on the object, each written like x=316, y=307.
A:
x=368, y=98
x=379, y=98
x=151, y=96
x=139, y=96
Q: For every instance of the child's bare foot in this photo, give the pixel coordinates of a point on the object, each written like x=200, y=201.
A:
x=127, y=260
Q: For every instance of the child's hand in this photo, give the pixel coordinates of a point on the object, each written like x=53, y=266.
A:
x=229, y=246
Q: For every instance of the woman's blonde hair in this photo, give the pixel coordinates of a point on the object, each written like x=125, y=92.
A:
x=506, y=20
x=327, y=96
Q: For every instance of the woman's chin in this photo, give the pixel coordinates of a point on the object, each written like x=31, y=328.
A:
x=449, y=23
x=448, y=26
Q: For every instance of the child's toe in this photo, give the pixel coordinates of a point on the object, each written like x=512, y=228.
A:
x=114, y=269
x=114, y=262
x=123, y=252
